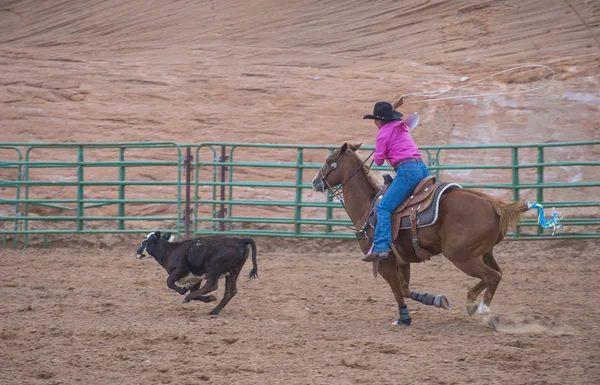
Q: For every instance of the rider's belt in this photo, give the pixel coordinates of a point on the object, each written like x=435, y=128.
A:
x=408, y=160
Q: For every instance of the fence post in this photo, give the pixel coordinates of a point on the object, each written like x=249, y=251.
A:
x=329, y=210
x=121, y=188
x=20, y=175
x=329, y=215
x=26, y=208
x=540, y=180
x=515, y=183
x=188, y=180
x=515, y=173
x=298, y=208
x=437, y=163
x=80, y=176
x=222, y=210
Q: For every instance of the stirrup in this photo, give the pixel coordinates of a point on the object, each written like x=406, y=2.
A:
x=368, y=258
x=375, y=257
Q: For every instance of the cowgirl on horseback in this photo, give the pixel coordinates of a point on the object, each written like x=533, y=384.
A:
x=395, y=145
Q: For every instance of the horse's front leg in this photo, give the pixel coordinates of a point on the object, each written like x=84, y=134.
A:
x=440, y=301
x=391, y=274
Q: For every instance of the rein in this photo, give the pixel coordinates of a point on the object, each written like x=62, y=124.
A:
x=336, y=192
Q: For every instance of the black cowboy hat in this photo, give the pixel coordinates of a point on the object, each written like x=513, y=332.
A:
x=384, y=111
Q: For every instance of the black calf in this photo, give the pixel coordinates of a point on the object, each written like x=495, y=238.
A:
x=189, y=262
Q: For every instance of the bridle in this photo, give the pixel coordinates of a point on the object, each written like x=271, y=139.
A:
x=336, y=191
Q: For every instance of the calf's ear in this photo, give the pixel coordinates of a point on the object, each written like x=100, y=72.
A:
x=157, y=235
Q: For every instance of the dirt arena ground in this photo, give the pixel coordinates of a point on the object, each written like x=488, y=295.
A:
x=85, y=316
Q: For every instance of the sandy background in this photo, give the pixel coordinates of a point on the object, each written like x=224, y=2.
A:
x=197, y=71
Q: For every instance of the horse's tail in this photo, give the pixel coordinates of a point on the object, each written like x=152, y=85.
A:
x=254, y=272
x=509, y=214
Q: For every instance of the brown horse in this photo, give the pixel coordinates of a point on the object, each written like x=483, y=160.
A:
x=469, y=225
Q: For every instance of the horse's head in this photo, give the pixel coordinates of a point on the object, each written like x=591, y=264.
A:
x=153, y=237
x=332, y=172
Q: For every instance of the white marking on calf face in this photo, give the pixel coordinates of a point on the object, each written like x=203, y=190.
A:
x=144, y=253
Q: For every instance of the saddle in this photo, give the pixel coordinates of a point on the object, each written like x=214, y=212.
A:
x=421, y=209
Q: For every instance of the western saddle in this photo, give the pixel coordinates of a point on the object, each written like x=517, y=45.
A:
x=418, y=210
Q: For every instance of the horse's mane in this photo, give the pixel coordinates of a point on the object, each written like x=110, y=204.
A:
x=367, y=171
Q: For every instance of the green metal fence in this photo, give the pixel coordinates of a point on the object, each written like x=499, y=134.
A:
x=50, y=188
x=330, y=221
x=30, y=175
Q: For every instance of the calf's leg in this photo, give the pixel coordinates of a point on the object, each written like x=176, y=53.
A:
x=207, y=299
x=230, y=286
x=174, y=277
x=230, y=292
x=211, y=285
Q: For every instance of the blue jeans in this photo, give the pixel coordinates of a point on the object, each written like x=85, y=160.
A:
x=407, y=178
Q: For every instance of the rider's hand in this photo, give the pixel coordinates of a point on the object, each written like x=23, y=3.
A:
x=398, y=103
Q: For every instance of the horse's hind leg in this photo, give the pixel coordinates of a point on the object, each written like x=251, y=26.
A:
x=490, y=279
x=472, y=297
x=440, y=301
x=488, y=259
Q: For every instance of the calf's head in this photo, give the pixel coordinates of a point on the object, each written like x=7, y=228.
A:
x=151, y=238
x=142, y=252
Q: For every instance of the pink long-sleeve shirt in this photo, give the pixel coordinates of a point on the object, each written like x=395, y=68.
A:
x=394, y=143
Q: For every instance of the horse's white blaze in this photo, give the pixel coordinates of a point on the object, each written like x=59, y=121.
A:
x=317, y=182
x=315, y=178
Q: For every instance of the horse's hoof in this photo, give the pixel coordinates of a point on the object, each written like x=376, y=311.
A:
x=211, y=298
x=404, y=322
x=442, y=302
x=493, y=321
x=471, y=308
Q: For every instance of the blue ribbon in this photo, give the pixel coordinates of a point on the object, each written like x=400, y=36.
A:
x=553, y=223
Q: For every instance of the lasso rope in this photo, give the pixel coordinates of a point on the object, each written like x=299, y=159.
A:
x=553, y=223
x=432, y=95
